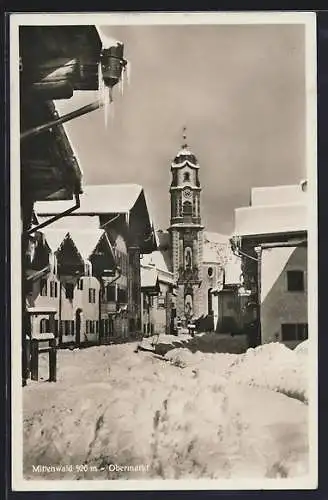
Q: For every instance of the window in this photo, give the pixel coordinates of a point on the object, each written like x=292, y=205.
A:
x=107, y=327
x=43, y=288
x=161, y=302
x=92, y=295
x=56, y=327
x=186, y=177
x=91, y=326
x=210, y=271
x=110, y=293
x=187, y=208
x=295, y=281
x=44, y=325
x=68, y=327
x=210, y=301
x=294, y=331
x=69, y=291
x=53, y=288
x=80, y=284
x=104, y=326
x=122, y=295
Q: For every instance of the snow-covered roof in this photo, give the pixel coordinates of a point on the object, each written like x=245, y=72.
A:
x=97, y=199
x=184, y=152
x=72, y=222
x=54, y=237
x=86, y=240
x=148, y=277
x=155, y=259
x=106, y=40
x=215, y=237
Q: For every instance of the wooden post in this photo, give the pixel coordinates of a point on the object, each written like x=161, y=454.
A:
x=258, y=251
x=34, y=359
x=52, y=360
x=28, y=355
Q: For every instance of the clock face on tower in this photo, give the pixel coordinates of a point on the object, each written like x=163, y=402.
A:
x=187, y=194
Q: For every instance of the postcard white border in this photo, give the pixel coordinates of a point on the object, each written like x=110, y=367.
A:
x=308, y=19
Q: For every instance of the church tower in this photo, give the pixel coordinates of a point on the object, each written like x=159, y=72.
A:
x=186, y=231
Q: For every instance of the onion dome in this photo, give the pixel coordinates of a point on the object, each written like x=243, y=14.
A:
x=184, y=154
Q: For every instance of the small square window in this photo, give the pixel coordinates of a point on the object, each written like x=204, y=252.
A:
x=288, y=331
x=294, y=331
x=92, y=295
x=295, y=281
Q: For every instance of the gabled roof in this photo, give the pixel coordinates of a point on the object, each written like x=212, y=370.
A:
x=86, y=240
x=215, y=237
x=54, y=238
x=156, y=259
x=148, y=277
x=50, y=166
x=69, y=222
x=102, y=199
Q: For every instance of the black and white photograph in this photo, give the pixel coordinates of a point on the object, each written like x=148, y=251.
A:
x=163, y=251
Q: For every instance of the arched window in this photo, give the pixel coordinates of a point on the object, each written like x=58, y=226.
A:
x=187, y=208
x=210, y=301
x=186, y=177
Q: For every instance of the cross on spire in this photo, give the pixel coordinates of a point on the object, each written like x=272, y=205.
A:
x=184, y=137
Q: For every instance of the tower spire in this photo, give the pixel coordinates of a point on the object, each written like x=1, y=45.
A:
x=184, y=138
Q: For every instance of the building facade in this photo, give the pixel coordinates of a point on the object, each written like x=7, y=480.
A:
x=158, y=294
x=272, y=234
x=72, y=286
x=121, y=211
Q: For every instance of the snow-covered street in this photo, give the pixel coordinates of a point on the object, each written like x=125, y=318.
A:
x=184, y=415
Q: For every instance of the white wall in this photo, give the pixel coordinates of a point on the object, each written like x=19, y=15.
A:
x=278, y=305
x=276, y=209
x=278, y=195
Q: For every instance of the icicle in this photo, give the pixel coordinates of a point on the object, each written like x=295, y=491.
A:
x=121, y=84
x=31, y=250
x=128, y=72
x=105, y=94
x=53, y=264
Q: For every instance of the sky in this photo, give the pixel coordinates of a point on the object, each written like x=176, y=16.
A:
x=239, y=90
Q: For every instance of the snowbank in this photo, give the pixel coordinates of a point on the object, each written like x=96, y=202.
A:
x=111, y=405
x=271, y=366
